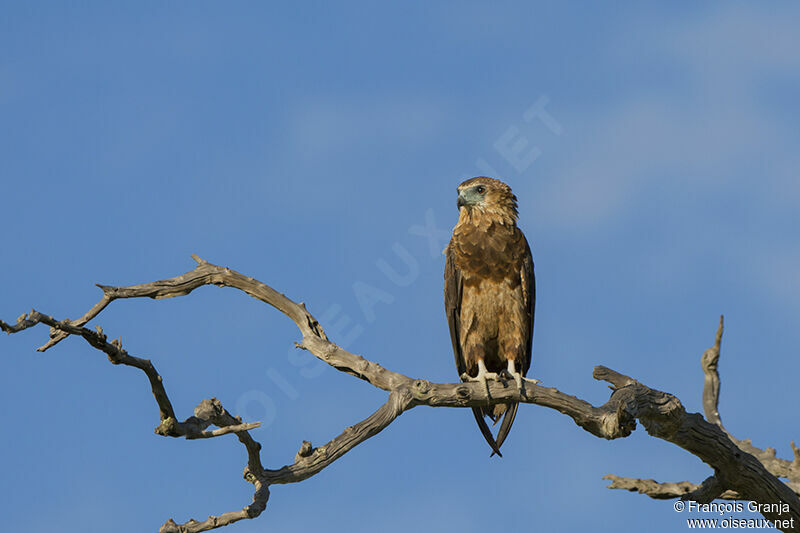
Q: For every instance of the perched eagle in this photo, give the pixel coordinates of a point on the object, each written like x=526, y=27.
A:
x=489, y=294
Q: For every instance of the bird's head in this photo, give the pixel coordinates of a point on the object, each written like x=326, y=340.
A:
x=487, y=196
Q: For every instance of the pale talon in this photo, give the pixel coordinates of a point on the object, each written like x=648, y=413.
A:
x=516, y=375
x=482, y=377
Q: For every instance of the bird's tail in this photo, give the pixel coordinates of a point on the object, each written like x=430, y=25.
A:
x=487, y=433
x=505, y=426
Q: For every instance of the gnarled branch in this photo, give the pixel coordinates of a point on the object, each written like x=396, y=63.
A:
x=750, y=476
x=726, y=483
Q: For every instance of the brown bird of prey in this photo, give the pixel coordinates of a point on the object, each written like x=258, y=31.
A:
x=489, y=295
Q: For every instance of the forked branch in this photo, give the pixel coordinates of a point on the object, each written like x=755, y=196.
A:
x=736, y=470
x=720, y=485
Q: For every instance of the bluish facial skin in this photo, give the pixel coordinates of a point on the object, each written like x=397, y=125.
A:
x=471, y=196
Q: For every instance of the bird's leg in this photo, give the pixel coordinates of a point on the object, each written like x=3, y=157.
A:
x=482, y=376
x=512, y=369
x=518, y=378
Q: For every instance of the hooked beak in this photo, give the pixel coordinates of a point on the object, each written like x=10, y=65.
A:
x=461, y=201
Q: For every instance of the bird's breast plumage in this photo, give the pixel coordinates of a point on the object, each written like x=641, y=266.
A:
x=487, y=253
x=493, y=313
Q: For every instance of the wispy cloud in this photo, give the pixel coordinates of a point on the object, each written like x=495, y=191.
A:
x=322, y=126
x=715, y=131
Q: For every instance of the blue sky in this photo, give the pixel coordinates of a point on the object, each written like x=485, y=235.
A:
x=306, y=146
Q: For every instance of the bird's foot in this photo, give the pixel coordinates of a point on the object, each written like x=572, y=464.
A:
x=519, y=379
x=483, y=376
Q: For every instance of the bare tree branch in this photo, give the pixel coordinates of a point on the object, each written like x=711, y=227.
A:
x=736, y=471
x=709, y=363
x=777, y=466
x=666, y=491
x=722, y=485
x=206, y=413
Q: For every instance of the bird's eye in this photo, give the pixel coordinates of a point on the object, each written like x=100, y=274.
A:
x=480, y=189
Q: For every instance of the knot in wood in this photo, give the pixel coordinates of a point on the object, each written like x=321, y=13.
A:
x=328, y=352
x=305, y=449
x=422, y=386
x=167, y=427
x=208, y=409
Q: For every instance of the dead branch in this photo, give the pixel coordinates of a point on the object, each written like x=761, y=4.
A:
x=740, y=469
x=720, y=485
x=666, y=491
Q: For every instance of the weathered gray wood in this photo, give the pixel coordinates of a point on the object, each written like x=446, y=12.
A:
x=730, y=473
x=739, y=468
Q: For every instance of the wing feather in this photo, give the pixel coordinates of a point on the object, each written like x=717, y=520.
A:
x=453, y=289
x=528, y=283
x=529, y=292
